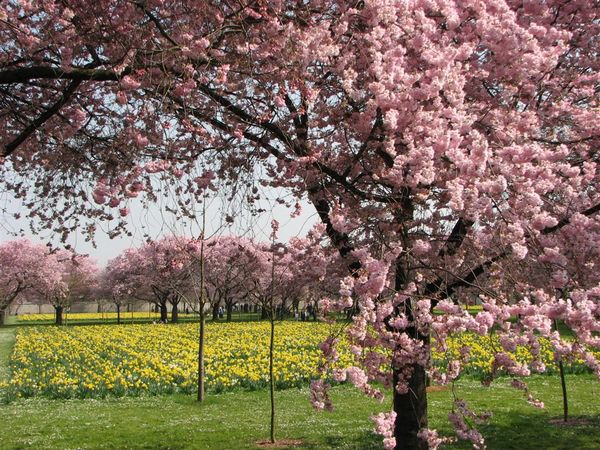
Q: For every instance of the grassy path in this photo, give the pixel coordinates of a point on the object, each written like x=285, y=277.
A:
x=7, y=340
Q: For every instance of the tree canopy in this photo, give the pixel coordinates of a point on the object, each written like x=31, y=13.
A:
x=448, y=147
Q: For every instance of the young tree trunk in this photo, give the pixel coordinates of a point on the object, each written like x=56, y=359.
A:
x=2, y=316
x=164, y=312
x=229, y=306
x=201, y=303
x=118, y=314
x=563, y=384
x=271, y=373
x=200, y=397
x=58, y=315
x=175, y=312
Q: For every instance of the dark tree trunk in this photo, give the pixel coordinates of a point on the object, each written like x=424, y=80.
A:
x=410, y=408
x=264, y=314
x=353, y=311
x=164, y=312
x=119, y=314
x=2, y=316
x=563, y=384
x=281, y=310
x=175, y=312
x=411, y=411
x=229, y=306
x=58, y=315
x=215, y=311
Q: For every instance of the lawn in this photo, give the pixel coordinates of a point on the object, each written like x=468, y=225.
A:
x=7, y=340
x=238, y=419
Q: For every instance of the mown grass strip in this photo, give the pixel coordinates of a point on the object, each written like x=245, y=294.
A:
x=7, y=341
x=237, y=420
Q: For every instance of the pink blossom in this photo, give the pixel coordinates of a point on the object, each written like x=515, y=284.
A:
x=128, y=83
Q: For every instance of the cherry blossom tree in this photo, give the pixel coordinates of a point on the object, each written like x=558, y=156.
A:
x=229, y=264
x=157, y=272
x=114, y=283
x=443, y=145
x=25, y=269
x=78, y=277
x=124, y=278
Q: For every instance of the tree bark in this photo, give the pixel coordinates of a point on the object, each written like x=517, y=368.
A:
x=229, y=306
x=175, y=312
x=563, y=384
x=411, y=411
x=58, y=315
x=118, y=314
x=215, y=311
x=264, y=313
x=200, y=396
x=411, y=407
x=272, y=373
x=164, y=313
x=2, y=316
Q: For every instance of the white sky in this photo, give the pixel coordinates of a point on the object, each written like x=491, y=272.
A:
x=155, y=222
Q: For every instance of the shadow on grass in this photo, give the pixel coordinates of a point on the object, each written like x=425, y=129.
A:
x=366, y=441
x=539, y=431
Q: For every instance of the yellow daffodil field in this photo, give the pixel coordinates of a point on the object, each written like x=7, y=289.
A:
x=91, y=361
x=101, y=360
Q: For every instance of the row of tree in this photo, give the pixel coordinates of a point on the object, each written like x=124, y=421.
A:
x=166, y=273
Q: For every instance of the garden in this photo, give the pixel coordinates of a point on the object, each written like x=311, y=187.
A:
x=133, y=386
x=299, y=224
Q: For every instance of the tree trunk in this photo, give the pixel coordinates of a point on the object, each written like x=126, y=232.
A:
x=2, y=316
x=563, y=384
x=118, y=314
x=215, y=311
x=175, y=312
x=410, y=408
x=164, y=312
x=272, y=374
x=264, y=313
x=201, y=355
x=201, y=304
x=411, y=411
x=58, y=315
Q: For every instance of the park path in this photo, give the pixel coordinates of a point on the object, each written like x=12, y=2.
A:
x=7, y=341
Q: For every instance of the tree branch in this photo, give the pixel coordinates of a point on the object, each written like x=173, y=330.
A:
x=25, y=74
x=45, y=116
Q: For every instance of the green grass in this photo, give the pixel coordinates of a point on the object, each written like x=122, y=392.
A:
x=236, y=420
x=7, y=339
